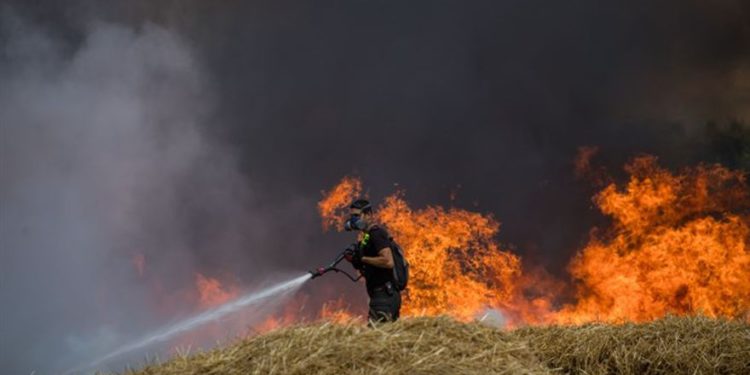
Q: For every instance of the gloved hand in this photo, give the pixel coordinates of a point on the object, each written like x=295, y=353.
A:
x=353, y=254
x=349, y=252
x=357, y=258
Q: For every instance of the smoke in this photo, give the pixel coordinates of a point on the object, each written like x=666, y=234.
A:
x=103, y=160
x=490, y=99
x=206, y=317
x=199, y=134
x=493, y=318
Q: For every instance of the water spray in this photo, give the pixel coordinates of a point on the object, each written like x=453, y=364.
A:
x=218, y=312
x=198, y=320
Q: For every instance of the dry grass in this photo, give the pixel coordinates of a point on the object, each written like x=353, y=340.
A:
x=443, y=346
x=668, y=346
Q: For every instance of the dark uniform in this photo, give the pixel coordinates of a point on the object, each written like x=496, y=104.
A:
x=385, y=299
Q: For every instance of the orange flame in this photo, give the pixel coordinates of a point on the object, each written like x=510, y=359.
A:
x=211, y=293
x=458, y=268
x=678, y=244
x=274, y=322
x=291, y=313
x=338, y=312
x=334, y=204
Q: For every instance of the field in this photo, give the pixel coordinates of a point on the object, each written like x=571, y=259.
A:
x=685, y=345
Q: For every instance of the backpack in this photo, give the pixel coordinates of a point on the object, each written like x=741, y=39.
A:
x=400, y=266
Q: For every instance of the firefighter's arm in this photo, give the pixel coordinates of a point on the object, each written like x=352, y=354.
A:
x=383, y=260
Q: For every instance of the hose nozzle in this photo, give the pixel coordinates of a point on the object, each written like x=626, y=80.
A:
x=318, y=272
x=332, y=267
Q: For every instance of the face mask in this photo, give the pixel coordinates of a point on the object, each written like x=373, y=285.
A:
x=355, y=222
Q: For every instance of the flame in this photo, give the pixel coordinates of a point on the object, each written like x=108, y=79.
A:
x=274, y=322
x=211, y=293
x=678, y=244
x=292, y=313
x=338, y=312
x=457, y=266
x=334, y=204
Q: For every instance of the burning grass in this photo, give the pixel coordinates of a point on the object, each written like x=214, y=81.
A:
x=444, y=346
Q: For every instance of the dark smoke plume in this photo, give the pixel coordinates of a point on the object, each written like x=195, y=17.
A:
x=200, y=134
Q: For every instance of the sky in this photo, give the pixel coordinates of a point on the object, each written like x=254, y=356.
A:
x=201, y=134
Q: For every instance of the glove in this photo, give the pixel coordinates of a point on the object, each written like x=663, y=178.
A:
x=353, y=254
x=349, y=252
x=357, y=258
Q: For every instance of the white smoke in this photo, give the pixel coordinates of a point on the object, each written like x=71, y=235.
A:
x=103, y=156
x=493, y=318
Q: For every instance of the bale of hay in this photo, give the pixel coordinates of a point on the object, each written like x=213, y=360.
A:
x=410, y=346
x=686, y=345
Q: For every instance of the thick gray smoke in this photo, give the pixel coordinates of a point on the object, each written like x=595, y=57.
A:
x=104, y=165
x=200, y=133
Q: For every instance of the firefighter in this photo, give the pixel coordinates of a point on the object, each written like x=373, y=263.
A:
x=372, y=255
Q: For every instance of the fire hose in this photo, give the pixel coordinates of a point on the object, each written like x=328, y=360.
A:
x=333, y=267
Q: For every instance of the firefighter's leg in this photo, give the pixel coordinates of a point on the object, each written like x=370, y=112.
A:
x=384, y=307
